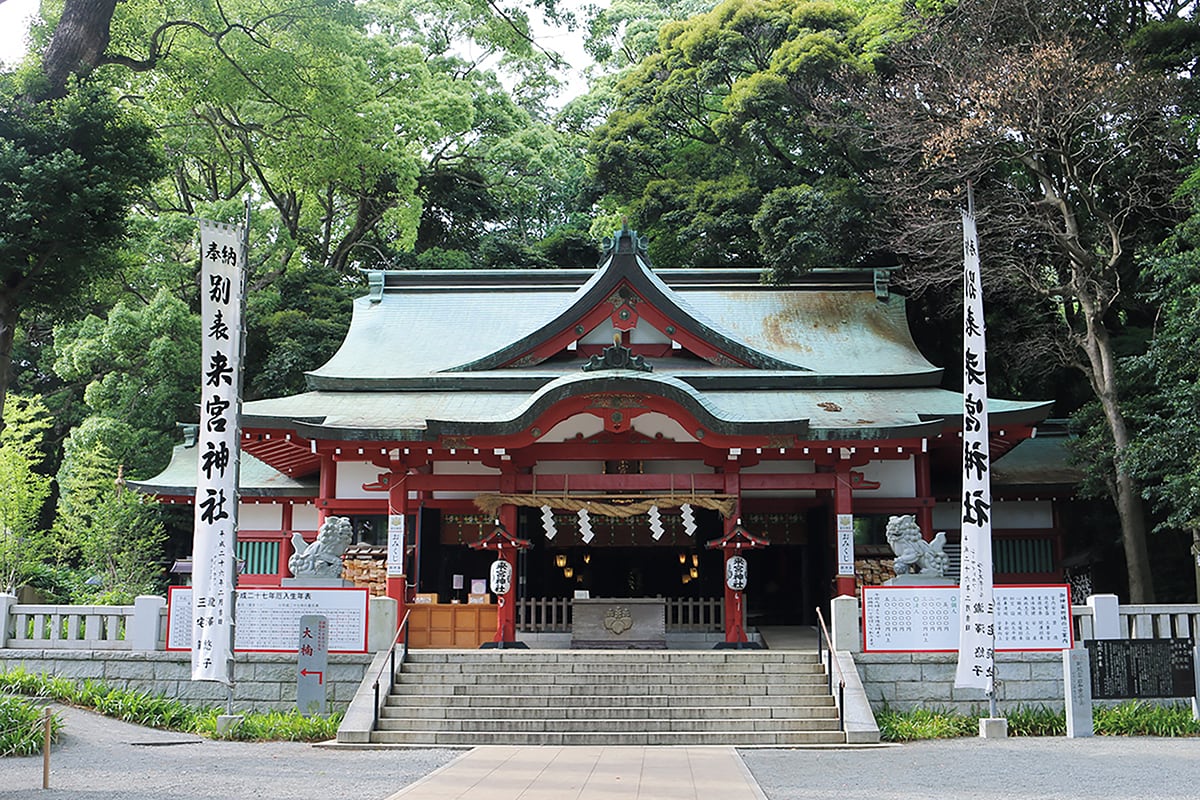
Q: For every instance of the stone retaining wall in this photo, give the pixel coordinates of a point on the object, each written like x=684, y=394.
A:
x=904, y=681
x=264, y=681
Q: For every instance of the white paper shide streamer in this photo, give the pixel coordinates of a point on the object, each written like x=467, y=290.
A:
x=688, y=515
x=548, y=522
x=223, y=258
x=976, y=648
x=585, y=525
x=656, y=526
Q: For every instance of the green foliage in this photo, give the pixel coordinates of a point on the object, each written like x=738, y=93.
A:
x=110, y=533
x=1130, y=718
x=142, y=708
x=139, y=365
x=1165, y=454
x=716, y=141
x=69, y=169
x=923, y=723
x=22, y=727
x=23, y=490
x=1036, y=721
x=1138, y=718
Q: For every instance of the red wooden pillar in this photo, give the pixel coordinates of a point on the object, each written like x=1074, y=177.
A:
x=924, y=481
x=842, y=504
x=397, y=580
x=736, y=541
x=326, y=487
x=505, y=545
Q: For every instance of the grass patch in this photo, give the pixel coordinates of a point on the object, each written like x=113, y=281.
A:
x=22, y=727
x=1132, y=718
x=155, y=711
x=923, y=723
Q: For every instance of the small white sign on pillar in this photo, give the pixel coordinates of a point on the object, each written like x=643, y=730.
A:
x=395, y=556
x=845, y=544
x=1077, y=685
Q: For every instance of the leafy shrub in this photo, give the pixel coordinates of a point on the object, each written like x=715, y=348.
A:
x=142, y=708
x=22, y=727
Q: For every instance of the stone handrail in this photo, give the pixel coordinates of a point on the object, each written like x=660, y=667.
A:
x=43, y=626
x=1103, y=618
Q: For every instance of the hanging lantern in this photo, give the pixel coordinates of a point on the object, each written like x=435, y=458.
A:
x=569, y=572
x=560, y=560
x=682, y=558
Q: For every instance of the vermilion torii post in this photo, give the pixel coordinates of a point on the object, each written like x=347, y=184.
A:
x=506, y=547
x=735, y=541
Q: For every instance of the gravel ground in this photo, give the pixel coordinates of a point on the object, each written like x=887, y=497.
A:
x=1099, y=768
x=103, y=758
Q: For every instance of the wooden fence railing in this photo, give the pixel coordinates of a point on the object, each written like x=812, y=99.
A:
x=683, y=614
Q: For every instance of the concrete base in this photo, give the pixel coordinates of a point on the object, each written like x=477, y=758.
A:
x=503, y=646
x=993, y=728
x=227, y=722
x=313, y=582
x=920, y=580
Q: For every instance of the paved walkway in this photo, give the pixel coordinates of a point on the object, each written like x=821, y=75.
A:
x=590, y=773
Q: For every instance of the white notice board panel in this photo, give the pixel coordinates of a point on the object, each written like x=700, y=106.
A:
x=924, y=619
x=268, y=620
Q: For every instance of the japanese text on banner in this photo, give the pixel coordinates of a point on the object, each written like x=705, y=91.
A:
x=214, y=543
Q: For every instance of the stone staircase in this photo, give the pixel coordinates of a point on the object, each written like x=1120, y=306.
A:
x=589, y=697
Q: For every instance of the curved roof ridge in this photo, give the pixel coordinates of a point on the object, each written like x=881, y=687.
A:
x=625, y=262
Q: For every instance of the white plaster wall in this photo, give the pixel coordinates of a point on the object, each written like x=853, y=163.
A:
x=351, y=475
x=304, y=517
x=896, y=478
x=584, y=425
x=654, y=423
x=260, y=516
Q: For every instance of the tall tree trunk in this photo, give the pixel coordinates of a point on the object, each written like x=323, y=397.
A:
x=1127, y=493
x=78, y=42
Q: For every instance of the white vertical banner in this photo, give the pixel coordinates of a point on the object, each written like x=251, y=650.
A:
x=977, y=609
x=214, y=539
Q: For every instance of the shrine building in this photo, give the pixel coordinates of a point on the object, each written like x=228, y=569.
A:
x=629, y=429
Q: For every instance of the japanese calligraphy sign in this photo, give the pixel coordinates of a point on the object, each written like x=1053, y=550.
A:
x=500, y=576
x=395, y=557
x=925, y=619
x=976, y=624
x=267, y=618
x=312, y=664
x=222, y=257
x=736, y=573
x=845, y=544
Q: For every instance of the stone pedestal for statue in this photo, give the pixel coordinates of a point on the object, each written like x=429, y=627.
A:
x=314, y=582
x=920, y=580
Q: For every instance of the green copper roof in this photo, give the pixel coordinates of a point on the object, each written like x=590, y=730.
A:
x=256, y=479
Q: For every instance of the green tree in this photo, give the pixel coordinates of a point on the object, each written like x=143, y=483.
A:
x=722, y=123
x=140, y=367
x=106, y=532
x=23, y=490
x=69, y=169
x=1075, y=146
